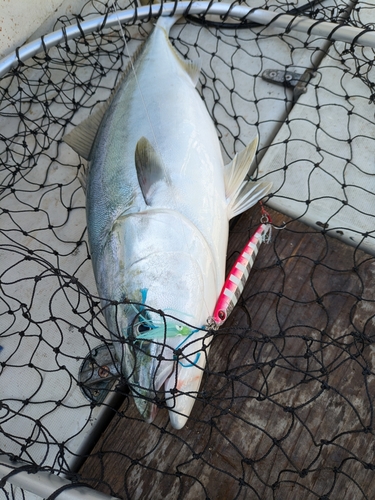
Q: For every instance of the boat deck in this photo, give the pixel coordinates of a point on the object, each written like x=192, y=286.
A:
x=286, y=404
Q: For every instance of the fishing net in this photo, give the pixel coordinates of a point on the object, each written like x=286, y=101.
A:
x=286, y=404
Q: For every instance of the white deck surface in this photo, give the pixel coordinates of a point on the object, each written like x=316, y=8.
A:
x=329, y=153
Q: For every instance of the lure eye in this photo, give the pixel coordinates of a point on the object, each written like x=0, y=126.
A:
x=179, y=328
x=222, y=315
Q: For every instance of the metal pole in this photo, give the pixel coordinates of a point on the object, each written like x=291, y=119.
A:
x=332, y=31
x=45, y=484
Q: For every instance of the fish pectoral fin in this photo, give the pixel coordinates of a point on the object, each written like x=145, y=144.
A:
x=150, y=168
x=82, y=137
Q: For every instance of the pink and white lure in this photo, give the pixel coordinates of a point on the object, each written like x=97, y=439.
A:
x=238, y=276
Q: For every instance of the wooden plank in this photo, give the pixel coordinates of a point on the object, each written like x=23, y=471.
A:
x=285, y=410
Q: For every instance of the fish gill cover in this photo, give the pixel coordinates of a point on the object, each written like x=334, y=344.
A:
x=285, y=409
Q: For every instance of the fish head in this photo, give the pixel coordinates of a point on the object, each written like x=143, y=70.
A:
x=168, y=282
x=167, y=307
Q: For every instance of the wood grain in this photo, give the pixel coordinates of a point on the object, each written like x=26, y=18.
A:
x=286, y=407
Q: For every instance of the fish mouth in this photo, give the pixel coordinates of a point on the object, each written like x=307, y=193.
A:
x=153, y=363
x=168, y=375
x=182, y=387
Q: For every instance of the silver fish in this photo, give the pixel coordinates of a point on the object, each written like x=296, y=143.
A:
x=159, y=199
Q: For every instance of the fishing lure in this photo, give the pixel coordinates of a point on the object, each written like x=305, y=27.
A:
x=238, y=276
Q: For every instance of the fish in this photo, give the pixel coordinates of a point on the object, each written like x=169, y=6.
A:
x=158, y=204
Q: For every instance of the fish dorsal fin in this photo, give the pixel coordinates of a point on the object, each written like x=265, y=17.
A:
x=242, y=194
x=82, y=137
x=150, y=168
x=82, y=177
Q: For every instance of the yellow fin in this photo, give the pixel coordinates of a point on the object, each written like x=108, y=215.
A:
x=192, y=68
x=150, y=169
x=236, y=171
x=242, y=194
x=250, y=193
x=82, y=137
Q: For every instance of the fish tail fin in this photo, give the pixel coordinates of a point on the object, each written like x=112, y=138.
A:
x=192, y=68
x=166, y=22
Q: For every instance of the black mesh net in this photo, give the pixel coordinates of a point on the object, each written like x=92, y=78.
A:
x=286, y=404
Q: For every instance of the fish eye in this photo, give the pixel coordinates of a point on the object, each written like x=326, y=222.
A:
x=143, y=327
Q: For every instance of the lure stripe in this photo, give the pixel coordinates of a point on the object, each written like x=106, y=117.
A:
x=228, y=293
x=238, y=276
x=247, y=256
x=243, y=269
x=236, y=280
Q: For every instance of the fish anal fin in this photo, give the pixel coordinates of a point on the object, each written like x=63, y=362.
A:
x=236, y=171
x=242, y=194
x=192, y=68
x=150, y=168
x=249, y=194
